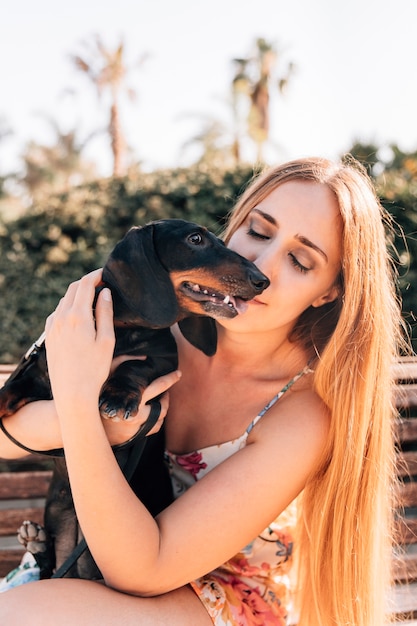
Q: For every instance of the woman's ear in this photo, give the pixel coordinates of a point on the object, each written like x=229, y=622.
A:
x=327, y=297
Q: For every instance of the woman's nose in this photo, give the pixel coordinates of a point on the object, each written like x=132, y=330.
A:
x=267, y=263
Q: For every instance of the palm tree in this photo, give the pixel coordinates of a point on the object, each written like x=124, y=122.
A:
x=252, y=79
x=213, y=143
x=108, y=71
x=58, y=166
x=240, y=87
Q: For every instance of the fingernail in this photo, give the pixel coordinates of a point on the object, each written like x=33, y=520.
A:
x=106, y=294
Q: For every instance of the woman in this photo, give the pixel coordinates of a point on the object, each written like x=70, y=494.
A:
x=296, y=404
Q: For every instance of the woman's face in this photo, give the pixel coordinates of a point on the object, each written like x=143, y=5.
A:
x=294, y=236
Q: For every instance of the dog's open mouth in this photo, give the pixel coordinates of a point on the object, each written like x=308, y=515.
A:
x=215, y=303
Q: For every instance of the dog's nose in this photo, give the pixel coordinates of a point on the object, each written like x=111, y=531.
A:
x=258, y=281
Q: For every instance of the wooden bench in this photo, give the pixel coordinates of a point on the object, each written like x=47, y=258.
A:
x=23, y=487
x=405, y=556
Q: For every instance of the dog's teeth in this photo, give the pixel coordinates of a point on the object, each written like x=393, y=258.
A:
x=196, y=287
x=226, y=300
x=205, y=292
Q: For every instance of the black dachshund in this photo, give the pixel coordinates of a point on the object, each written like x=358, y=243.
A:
x=166, y=272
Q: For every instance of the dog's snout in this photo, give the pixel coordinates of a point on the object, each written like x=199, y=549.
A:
x=258, y=281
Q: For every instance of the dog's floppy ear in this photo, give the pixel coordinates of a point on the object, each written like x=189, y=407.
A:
x=201, y=332
x=140, y=284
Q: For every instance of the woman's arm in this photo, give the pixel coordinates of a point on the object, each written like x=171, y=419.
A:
x=215, y=518
x=35, y=425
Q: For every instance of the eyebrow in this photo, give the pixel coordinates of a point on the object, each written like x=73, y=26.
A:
x=304, y=240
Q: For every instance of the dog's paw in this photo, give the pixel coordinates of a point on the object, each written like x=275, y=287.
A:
x=118, y=409
x=33, y=537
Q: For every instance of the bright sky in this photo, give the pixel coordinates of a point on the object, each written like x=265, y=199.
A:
x=356, y=72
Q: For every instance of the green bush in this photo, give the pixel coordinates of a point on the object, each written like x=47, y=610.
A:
x=59, y=241
x=399, y=197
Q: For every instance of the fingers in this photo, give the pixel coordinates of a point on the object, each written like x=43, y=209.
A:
x=82, y=291
x=79, y=344
x=80, y=294
x=85, y=289
x=104, y=315
x=160, y=385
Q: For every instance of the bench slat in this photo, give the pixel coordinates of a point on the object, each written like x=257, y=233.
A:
x=24, y=484
x=406, y=396
x=407, y=430
x=11, y=519
x=408, y=494
x=407, y=463
x=406, y=530
x=406, y=368
x=403, y=602
x=404, y=568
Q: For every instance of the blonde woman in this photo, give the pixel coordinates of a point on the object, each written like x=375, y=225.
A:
x=285, y=433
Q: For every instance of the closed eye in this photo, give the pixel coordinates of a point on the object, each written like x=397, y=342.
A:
x=302, y=268
x=256, y=235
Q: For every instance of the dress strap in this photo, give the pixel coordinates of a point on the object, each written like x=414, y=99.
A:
x=306, y=370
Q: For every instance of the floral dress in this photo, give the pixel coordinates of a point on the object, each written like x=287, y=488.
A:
x=253, y=587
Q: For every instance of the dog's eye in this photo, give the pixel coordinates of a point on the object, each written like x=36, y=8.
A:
x=196, y=239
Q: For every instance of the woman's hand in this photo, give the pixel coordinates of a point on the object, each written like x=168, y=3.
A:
x=79, y=346
x=80, y=357
x=119, y=432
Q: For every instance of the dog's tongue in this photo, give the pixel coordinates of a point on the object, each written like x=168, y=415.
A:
x=236, y=303
x=240, y=305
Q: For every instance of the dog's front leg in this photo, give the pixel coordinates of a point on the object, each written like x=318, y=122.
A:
x=122, y=392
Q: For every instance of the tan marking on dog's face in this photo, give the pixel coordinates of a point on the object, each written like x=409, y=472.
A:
x=194, y=277
x=214, y=285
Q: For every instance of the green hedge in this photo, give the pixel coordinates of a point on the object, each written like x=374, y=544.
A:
x=58, y=241
x=397, y=189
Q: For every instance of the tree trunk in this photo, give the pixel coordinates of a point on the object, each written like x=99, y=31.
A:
x=118, y=144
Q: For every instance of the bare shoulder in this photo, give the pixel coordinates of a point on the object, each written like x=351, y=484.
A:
x=296, y=429
x=305, y=411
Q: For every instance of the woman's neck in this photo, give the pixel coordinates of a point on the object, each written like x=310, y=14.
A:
x=218, y=396
x=258, y=355
x=259, y=352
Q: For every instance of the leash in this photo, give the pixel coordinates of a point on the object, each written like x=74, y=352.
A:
x=138, y=443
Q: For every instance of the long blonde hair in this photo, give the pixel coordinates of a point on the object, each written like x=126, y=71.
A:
x=344, y=530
